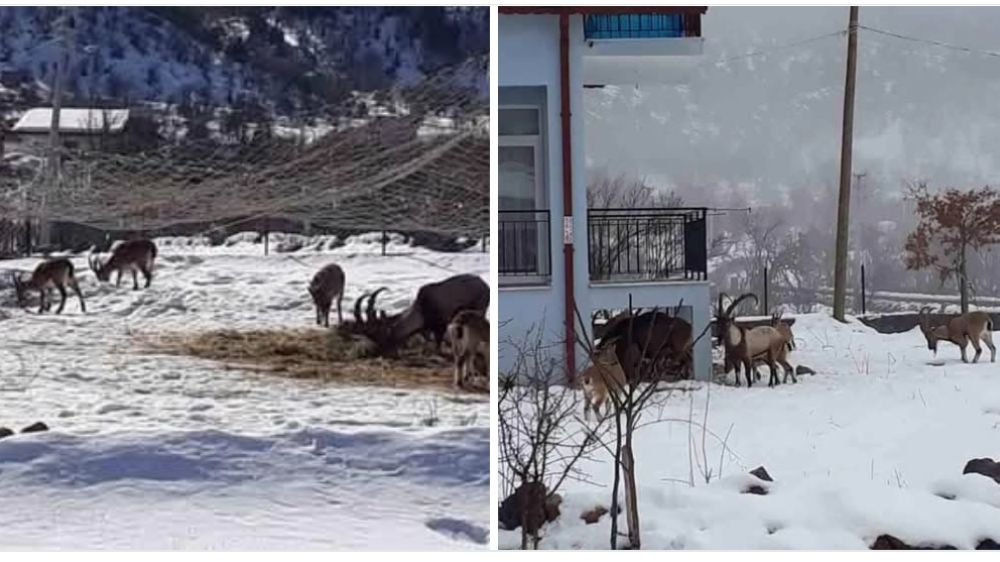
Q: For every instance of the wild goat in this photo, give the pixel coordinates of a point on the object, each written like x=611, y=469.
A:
x=782, y=357
x=327, y=284
x=601, y=378
x=430, y=313
x=961, y=330
x=132, y=255
x=469, y=334
x=743, y=346
x=653, y=337
x=51, y=273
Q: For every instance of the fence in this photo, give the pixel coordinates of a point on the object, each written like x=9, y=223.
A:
x=647, y=244
x=525, y=244
x=413, y=159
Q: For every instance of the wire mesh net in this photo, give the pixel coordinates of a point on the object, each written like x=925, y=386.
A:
x=414, y=158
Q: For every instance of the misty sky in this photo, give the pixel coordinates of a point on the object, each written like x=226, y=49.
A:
x=771, y=124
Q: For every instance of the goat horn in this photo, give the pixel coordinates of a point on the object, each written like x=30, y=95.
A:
x=370, y=309
x=357, y=309
x=718, y=309
x=739, y=299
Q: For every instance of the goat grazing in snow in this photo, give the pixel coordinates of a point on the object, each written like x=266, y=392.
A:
x=56, y=273
x=969, y=327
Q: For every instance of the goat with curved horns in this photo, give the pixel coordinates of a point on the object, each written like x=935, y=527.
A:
x=744, y=346
x=132, y=255
x=51, y=273
x=429, y=314
x=971, y=327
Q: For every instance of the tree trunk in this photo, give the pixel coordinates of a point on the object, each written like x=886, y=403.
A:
x=614, y=488
x=963, y=285
x=631, y=497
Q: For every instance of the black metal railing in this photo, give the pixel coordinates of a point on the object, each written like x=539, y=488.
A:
x=525, y=246
x=641, y=26
x=647, y=244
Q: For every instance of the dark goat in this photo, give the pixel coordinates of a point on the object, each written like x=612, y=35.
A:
x=654, y=336
x=435, y=306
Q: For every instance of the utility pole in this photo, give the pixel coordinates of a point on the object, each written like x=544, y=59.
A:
x=53, y=170
x=846, y=146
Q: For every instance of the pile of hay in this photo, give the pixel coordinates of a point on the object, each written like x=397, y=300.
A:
x=309, y=354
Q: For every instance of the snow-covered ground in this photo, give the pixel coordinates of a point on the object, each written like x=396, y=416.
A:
x=152, y=451
x=867, y=446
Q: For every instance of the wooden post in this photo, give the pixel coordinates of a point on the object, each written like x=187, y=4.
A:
x=846, y=145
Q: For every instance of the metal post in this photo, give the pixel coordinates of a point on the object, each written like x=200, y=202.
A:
x=844, y=202
x=766, y=307
x=385, y=240
x=864, y=307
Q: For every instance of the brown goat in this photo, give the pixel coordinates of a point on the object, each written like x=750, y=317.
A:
x=469, y=334
x=56, y=273
x=654, y=337
x=601, y=378
x=326, y=285
x=745, y=346
x=131, y=255
x=969, y=327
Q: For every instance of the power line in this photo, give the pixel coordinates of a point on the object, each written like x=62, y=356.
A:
x=779, y=48
x=933, y=42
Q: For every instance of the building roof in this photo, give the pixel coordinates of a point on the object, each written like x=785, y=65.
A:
x=603, y=9
x=73, y=120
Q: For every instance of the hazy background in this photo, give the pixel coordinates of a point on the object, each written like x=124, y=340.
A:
x=764, y=131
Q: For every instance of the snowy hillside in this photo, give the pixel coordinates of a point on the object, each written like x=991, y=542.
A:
x=157, y=451
x=286, y=57
x=874, y=443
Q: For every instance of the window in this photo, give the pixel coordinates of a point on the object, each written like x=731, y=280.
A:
x=524, y=215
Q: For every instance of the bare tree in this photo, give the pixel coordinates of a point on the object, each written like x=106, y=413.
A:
x=630, y=404
x=539, y=446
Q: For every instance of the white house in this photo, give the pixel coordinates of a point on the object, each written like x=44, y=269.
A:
x=555, y=252
x=85, y=128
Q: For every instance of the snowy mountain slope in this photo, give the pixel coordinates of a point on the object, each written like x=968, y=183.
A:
x=157, y=451
x=872, y=444
x=280, y=56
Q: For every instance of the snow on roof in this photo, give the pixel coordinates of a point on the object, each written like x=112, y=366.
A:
x=73, y=120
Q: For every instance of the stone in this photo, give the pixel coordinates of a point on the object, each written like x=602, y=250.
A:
x=5, y=432
x=985, y=466
x=35, y=428
x=803, y=370
x=594, y=514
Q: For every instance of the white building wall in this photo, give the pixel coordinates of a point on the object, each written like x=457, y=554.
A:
x=529, y=56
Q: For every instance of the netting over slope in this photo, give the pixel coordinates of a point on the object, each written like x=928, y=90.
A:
x=416, y=160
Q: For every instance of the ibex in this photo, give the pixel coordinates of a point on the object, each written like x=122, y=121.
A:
x=469, y=334
x=327, y=284
x=744, y=346
x=654, y=338
x=56, y=273
x=436, y=304
x=961, y=330
x=132, y=255
x=601, y=378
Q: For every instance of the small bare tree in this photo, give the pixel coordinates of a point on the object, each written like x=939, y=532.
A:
x=539, y=444
x=630, y=402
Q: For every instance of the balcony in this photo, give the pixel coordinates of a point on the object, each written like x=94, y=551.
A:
x=525, y=247
x=640, y=48
x=647, y=245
